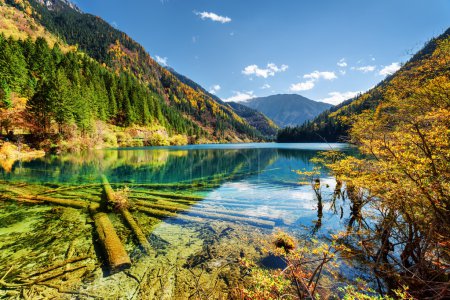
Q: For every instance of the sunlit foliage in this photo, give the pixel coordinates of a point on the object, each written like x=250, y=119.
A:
x=405, y=176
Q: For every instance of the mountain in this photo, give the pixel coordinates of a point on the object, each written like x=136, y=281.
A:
x=254, y=118
x=57, y=4
x=334, y=124
x=287, y=109
x=201, y=115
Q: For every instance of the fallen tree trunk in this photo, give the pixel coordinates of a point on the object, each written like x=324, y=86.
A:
x=166, y=214
x=249, y=221
x=114, y=250
x=244, y=205
x=134, y=226
x=157, y=199
x=136, y=230
x=69, y=188
x=170, y=208
x=61, y=202
x=59, y=265
x=240, y=214
x=174, y=196
x=165, y=185
x=162, y=214
x=109, y=192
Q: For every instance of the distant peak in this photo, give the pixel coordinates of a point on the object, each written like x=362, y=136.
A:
x=53, y=4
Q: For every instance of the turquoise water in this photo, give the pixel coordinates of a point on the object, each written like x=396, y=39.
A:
x=259, y=177
x=248, y=181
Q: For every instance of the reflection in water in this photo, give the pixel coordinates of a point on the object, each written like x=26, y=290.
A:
x=254, y=180
x=233, y=195
x=356, y=204
x=156, y=165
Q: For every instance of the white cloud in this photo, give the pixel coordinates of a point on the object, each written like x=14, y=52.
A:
x=277, y=69
x=338, y=97
x=316, y=75
x=214, y=89
x=266, y=86
x=302, y=86
x=240, y=96
x=343, y=72
x=213, y=17
x=389, y=70
x=270, y=70
x=365, y=69
x=311, y=82
x=161, y=60
x=342, y=63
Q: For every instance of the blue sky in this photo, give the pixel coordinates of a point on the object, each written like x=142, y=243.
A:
x=326, y=50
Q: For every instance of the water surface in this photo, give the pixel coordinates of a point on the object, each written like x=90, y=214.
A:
x=247, y=181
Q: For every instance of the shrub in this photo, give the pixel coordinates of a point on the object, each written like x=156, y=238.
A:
x=179, y=140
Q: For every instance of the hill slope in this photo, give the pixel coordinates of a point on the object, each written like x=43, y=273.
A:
x=120, y=53
x=333, y=125
x=287, y=109
x=254, y=118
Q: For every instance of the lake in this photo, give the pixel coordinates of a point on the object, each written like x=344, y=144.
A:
x=201, y=208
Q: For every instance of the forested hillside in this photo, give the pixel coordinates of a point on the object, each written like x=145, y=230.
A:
x=71, y=88
x=333, y=125
x=253, y=117
x=256, y=119
x=118, y=51
x=106, y=77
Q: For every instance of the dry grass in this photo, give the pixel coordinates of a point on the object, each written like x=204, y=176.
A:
x=10, y=153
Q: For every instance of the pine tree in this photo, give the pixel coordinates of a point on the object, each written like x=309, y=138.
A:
x=13, y=66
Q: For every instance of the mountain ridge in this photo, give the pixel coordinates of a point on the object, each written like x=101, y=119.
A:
x=254, y=118
x=287, y=109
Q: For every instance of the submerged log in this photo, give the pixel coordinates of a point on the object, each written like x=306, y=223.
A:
x=60, y=202
x=134, y=226
x=70, y=188
x=240, y=214
x=114, y=250
x=174, y=196
x=156, y=199
x=159, y=214
x=59, y=265
x=109, y=192
x=246, y=205
x=143, y=241
x=249, y=221
x=204, y=215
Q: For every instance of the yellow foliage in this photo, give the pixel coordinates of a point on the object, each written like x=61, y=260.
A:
x=21, y=25
x=406, y=171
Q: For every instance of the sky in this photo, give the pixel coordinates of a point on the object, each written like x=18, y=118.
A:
x=325, y=50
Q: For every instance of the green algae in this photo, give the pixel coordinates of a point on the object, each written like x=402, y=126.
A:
x=189, y=254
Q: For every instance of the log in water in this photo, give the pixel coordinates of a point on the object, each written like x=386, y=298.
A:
x=132, y=223
x=114, y=250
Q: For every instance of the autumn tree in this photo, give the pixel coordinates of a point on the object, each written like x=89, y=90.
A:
x=405, y=176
